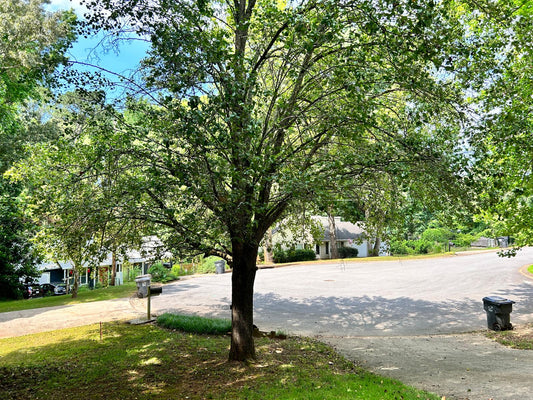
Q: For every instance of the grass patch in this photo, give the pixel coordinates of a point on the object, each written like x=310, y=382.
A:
x=194, y=324
x=530, y=269
x=84, y=296
x=520, y=338
x=147, y=362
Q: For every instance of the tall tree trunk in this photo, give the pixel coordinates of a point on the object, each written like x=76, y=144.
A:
x=113, y=269
x=75, y=281
x=242, y=306
x=332, y=234
x=377, y=245
x=268, y=247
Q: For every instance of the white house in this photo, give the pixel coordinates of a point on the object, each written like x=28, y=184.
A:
x=347, y=235
x=151, y=250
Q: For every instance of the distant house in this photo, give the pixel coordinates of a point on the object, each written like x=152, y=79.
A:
x=151, y=250
x=347, y=235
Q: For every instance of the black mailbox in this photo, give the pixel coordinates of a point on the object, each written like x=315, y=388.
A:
x=156, y=290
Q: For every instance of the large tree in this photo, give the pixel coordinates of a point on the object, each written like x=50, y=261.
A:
x=32, y=43
x=254, y=105
x=503, y=134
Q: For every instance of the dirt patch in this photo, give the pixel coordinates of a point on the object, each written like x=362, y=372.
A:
x=521, y=337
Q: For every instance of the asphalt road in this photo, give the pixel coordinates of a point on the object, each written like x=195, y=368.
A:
x=379, y=298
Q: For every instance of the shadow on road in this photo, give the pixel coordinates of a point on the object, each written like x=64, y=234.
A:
x=381, y=316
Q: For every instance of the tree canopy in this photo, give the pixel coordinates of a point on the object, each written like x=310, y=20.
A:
x=252, y=106
x=32, y=43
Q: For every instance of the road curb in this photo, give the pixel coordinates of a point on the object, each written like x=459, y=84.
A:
x=524, y=271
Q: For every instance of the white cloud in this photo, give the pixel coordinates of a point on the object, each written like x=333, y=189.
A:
x=56, y=5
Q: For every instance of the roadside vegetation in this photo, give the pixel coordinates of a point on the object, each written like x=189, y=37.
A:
x=530, y=269
x=194, y=324
x=520, y=338
x=147, y=362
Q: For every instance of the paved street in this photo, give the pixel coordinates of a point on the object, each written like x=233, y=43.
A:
x=426, y=296
x=404, y=319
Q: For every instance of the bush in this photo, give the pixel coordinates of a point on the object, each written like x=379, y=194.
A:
x=400, y=247
x=194, y=324
x=158, y=271
x=464, y=240
x=348, y=252
x=177, y=270
x=422, y=246
x=293, y=255
x=440, y=235
x=207, y=266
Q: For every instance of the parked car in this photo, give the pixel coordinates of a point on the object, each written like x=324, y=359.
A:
x=31, y=290
x=53, y=289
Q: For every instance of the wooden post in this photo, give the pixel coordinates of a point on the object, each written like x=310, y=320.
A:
x=148, y=311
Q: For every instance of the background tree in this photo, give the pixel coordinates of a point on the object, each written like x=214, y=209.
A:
x=502, y=135
x=69, y=182
x=32, y=43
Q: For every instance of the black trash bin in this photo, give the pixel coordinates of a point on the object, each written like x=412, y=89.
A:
x=498, y=313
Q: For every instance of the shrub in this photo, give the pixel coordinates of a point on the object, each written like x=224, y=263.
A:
x=207, y=266
x=348, y=252
x=422, y=246
x=194, y=324
x=441, y=235
x=464, y=240
x=177, y=270
x=293, y=255
x=158, y=271
x=400, y=247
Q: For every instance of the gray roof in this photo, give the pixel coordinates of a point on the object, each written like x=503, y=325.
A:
x=345, y=230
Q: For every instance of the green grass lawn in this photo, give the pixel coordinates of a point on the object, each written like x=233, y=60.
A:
x=148, y=362
x=530, y=269
x=84, y=296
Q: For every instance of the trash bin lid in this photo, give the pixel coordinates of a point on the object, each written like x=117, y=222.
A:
x=143, y=278
x=497, y=300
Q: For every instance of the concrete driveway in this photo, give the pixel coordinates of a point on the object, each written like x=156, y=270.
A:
x=404, y=319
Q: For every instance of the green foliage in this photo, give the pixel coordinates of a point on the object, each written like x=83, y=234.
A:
x=158, y=271
x=401, y=247
x=464, y=239
x=348, y=252
x=422, y=246
x=293, y=255
x=194, y=324
x=439, y=235
x=17, y=255
x=207, y=265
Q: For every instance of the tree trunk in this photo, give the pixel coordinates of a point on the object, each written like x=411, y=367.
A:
x=113, y=269
x=332, y=235
x=242, y=307
x=268, y=247
x=377, y=245
x=75, y=281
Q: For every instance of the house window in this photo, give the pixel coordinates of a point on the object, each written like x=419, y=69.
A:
x=317, y=249
x=340, y=244
x=327, y=247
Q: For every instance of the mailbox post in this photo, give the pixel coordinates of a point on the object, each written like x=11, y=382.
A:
x=145, y=289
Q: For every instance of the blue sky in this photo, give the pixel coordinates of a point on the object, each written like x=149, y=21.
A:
x=89, y=50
